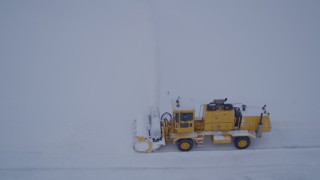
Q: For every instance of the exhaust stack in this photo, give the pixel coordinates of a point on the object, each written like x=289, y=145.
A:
x=259, y=130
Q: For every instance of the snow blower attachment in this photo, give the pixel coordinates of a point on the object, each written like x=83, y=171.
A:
x=147, y=132
x=220, y=121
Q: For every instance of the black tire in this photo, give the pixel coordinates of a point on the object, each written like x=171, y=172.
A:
x=185, y=144
x=242, y=142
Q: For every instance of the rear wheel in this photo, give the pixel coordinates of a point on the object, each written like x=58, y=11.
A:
x=242, y=142
x=184, y=144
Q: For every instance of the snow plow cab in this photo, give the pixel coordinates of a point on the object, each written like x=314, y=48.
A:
x=220, y=121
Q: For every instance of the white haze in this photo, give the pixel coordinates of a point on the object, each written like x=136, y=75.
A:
x=75, y=74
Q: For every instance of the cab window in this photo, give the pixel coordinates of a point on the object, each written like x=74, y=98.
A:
x=176, y=117
x=186, y=116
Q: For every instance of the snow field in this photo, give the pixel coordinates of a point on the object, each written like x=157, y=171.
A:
x=74, y=75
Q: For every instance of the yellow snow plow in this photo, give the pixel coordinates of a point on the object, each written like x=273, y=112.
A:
x=222, y=122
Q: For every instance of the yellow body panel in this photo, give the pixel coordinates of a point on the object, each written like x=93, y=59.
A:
x=266, y=124
x=251, y=123
x=218, y=120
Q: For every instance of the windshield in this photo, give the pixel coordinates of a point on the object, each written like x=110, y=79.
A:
x=186, y=116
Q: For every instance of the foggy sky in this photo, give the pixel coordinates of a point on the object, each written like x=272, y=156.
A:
x=74, y=74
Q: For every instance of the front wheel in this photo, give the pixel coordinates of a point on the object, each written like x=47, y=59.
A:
x=185, y=144
x=242, y=142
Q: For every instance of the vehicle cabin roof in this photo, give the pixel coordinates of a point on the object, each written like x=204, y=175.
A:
x=182, y=104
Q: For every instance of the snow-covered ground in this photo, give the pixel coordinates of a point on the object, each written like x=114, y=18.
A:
x=75, y=74
x=234, y=164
